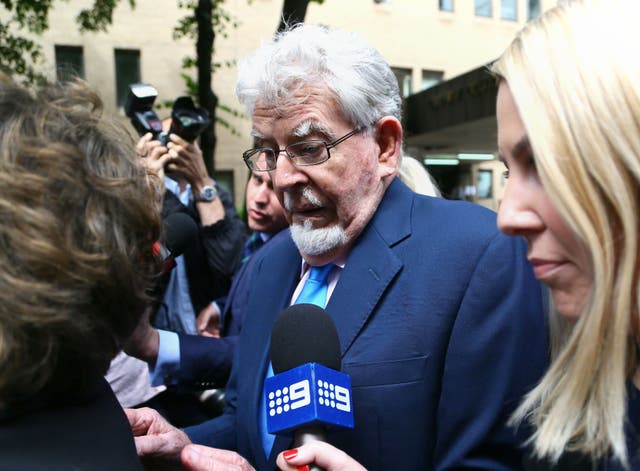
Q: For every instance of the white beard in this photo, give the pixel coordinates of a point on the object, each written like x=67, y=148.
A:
x=313, y=242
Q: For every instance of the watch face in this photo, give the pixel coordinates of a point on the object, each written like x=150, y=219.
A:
x=208, y=193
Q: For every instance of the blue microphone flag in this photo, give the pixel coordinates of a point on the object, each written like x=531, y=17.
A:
x=310, y=394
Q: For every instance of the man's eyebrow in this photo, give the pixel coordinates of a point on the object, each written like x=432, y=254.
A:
x=310, y=126
x=257, y=134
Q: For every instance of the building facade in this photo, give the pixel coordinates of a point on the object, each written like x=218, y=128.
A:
x=425, y=41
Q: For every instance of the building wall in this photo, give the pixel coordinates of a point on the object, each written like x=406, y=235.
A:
x=411, y=34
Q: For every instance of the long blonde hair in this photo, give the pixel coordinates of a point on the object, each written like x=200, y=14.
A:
x=575, y=76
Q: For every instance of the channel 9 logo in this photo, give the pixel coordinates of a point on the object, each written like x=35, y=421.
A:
x=308, y=394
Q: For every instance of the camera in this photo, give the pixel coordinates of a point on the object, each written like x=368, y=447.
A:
x=187, y=120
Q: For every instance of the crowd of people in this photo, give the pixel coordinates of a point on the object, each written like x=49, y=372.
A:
x=472, y=340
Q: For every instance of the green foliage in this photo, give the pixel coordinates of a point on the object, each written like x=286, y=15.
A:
x=221, y=20
x=100, y=16
x=187, y=27
x=19, y=55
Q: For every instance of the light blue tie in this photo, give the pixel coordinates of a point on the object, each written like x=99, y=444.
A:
x=314, y=291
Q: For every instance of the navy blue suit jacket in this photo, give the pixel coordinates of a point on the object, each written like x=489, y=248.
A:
x=441, y=330
x=205, y=362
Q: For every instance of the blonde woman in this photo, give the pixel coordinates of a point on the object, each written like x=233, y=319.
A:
x=568, y=114
x=569, y=133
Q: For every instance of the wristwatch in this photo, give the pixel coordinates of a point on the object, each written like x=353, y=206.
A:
x=207, y=194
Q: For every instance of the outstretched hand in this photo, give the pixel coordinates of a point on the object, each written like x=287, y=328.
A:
x=158, y=443
x=203, y=458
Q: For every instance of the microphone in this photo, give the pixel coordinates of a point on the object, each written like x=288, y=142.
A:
x=180, y=230
x=308, y=393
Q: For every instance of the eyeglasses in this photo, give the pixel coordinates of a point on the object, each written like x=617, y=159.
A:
x=302, y=154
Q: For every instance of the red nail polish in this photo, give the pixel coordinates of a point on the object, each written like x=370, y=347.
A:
x=303, y=468
x=289, y=454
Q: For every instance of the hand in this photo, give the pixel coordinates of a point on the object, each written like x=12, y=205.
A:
x=187, y=162
x=208, y=321
x=153, y=155
x=324, y=455
x=144, y=342
x=203, y=458
x=157, y=441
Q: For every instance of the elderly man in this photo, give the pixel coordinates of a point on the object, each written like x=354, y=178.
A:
x=439, y=317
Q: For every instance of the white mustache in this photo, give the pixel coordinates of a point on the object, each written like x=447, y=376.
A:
x=307, y=194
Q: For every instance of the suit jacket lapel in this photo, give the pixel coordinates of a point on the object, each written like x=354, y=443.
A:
x=371, y=265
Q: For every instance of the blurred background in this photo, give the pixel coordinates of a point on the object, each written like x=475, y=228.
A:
x=438, y=49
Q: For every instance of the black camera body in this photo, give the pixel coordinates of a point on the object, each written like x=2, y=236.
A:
x=187, y=120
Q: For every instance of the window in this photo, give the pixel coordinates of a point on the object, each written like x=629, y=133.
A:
x=430, y=78
x=446, y=5
x=533, y=9
x=69, y=62
x=483, y=8
x=404, y=80
x=484, y=184
x=127, y=72
x=509, y=10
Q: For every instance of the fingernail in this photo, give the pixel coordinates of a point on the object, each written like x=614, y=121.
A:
x=303, y=468
x=290, y=454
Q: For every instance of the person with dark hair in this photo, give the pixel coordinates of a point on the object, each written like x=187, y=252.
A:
x=78, y=219
x=204, y=272
x=202, y=362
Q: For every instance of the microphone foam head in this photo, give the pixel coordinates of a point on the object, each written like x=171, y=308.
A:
x=304, y=333
x=180, y=230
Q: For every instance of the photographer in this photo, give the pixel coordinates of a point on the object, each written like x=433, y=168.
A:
x=205, y=269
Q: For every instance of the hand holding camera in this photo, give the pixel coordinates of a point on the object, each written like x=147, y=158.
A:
x=174, y=151
x=154, y=155
x=185, y=161
x=187, y=120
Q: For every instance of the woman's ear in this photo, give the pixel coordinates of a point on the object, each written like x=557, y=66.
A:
x=388, y=132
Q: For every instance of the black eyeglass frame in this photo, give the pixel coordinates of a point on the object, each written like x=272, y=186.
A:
x=246, y=155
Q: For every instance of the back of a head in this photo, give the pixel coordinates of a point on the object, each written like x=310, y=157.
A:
x=574, y=74
x=78, y=217
x=415, y=176
x=356, y=74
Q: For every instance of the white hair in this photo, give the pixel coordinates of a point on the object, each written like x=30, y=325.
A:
x=361, y=81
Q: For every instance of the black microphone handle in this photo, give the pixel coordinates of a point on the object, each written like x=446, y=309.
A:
x=311, y=433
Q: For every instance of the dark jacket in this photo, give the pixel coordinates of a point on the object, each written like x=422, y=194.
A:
x=89, y=432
